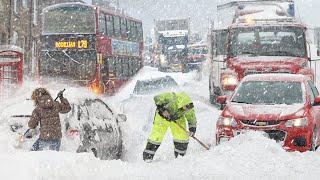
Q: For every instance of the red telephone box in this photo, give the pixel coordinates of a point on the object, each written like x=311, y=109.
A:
x=11, y=69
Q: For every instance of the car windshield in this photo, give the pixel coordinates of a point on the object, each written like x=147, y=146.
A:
x=149, y=86
x=269, y=92
x=268, y=41
x=69, y=19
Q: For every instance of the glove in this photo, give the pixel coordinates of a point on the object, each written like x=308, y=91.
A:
x=166, y=115
x=60, y=94
x=192, y=131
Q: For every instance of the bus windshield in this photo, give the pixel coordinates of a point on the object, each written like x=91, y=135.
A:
x=268, y=41
x=69, y=19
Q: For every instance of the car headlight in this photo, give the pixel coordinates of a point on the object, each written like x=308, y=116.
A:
x=162, y=59
x=229, y=80
x=227, y=121
x=301, y=122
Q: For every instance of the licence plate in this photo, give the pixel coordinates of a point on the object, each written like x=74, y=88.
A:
x=246, y=131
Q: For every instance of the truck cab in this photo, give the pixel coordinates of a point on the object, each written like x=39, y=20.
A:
x=260, y=39
x=171, y=44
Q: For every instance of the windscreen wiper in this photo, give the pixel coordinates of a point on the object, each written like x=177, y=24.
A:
x=249, y=53
x=279, y=53
x=240, y=102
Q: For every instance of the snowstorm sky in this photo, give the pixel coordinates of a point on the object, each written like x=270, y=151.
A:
x=200, y=11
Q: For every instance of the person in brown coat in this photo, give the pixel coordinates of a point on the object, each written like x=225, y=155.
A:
x=46, y=114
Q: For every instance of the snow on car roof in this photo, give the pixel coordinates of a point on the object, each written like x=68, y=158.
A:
x=276, y=77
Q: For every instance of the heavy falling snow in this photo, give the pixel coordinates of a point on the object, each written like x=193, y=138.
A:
x=248, y=156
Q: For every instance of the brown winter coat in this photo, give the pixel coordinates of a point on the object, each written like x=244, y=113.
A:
x=47, y=114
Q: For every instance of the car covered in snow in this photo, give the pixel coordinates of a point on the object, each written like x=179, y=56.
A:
x=153, y=85
x=284, y=106
x=141, y=101
x=91, y=125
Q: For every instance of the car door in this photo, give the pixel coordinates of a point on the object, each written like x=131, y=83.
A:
x=315, y=109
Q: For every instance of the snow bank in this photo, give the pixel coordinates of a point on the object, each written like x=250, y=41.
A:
x=248, y=156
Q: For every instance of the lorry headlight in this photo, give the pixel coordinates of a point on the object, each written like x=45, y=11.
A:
x=227, y=121
x=229, y=80
x=162, y=59
x=300, y=122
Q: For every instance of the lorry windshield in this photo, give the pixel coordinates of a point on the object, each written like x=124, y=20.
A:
x=268, y=41
x=180, y=40
x=198, y=51
x=269, y=92
x=69, y=19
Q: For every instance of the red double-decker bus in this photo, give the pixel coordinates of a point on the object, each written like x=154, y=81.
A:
x=91, y=46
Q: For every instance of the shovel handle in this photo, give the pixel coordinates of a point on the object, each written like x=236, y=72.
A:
x=195, y=138
x=26, y=132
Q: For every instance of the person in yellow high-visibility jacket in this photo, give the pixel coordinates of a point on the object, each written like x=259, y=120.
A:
x=173, y=109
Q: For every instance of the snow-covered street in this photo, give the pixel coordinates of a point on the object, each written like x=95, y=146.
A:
x=248, y=156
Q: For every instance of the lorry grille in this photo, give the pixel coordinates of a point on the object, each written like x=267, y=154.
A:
x=260, y=123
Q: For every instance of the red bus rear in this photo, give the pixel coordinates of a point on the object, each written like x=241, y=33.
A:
x=90, y=46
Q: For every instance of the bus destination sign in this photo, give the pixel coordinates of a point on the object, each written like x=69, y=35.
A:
x=80, y=44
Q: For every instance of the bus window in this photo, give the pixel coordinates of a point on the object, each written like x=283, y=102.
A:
x=134, y=32
x=125, y=67
x=110, y=30
x=102, y=24
x=123, y=27
x=140, y=31
x=116, y=25
x=129, y=25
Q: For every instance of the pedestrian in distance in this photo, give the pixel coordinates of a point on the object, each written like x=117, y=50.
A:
x=46, y=114
x=174, y=110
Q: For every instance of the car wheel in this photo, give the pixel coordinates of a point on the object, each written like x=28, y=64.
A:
x=314, y=140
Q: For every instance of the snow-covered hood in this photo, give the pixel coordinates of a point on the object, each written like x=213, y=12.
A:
x=267, y=64
x=264, y=112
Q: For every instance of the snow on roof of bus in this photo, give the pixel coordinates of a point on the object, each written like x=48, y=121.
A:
x=66, y=4
x=276, y=77
x=11, y=48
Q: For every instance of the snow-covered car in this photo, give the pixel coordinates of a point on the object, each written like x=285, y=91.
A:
x=284, y=106
x=92, y=126
x=153, y=85
x=140, y=103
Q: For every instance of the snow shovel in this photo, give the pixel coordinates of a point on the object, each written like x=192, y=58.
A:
x=20, y=139
x=61, y=92
x=195, y=138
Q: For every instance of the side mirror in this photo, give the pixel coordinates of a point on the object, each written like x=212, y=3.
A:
x=317, y=101
x=221, y=99
x=318, y=52
x=122, y=118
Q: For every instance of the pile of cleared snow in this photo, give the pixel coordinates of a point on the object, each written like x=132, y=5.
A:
x=248, y=156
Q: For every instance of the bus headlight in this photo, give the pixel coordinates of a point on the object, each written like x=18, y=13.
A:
x=300, y=122
x=229, y=80
x=227, y=121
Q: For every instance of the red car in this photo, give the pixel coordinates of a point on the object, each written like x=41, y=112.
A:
x=284, y=106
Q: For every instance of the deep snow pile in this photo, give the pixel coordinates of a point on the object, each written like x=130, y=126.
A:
x=247, y=156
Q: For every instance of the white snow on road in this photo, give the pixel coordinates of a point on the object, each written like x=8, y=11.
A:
x=247, y=156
